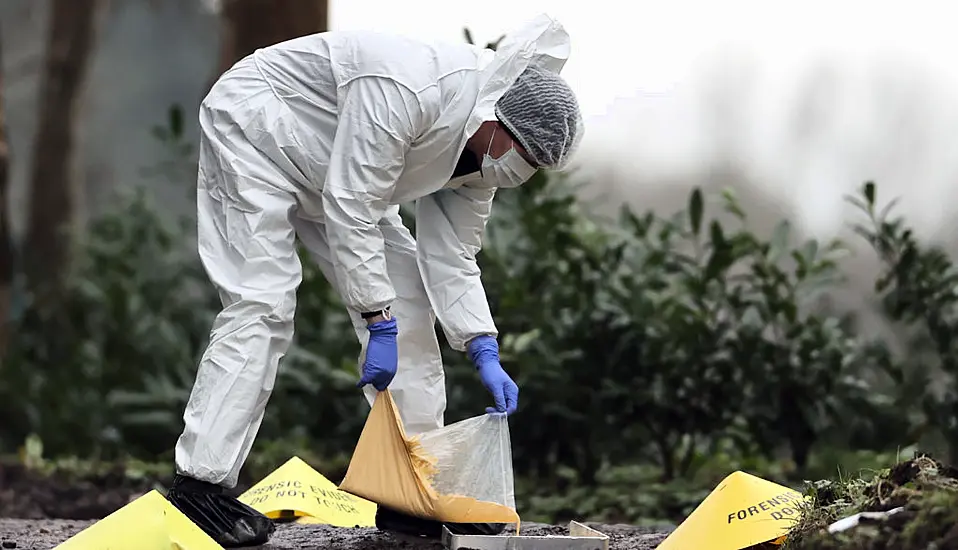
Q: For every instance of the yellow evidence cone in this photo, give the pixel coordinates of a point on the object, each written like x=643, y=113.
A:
x=148, y=523
x=295, y=490
x=742, y=511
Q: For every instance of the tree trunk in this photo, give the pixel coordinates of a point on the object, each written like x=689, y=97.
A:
x=6, y=250
x=252, y=24
x=70, y=40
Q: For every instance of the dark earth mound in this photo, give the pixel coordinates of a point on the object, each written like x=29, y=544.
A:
x=81, y=492
x=925, y=489
x=29, y=495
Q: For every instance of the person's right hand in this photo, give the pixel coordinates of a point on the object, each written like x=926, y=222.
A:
x=382, y=355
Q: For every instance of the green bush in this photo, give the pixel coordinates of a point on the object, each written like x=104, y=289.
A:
x=108, y=371
x=115, y=377
x=662, y=337
x=652, y=340
x=918, y=288
x=134, y=316
x=644, y=347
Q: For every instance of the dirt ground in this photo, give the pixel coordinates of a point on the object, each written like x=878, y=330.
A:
x=18, y=534
x=29, y=501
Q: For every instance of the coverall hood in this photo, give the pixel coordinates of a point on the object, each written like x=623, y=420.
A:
x=542, y=41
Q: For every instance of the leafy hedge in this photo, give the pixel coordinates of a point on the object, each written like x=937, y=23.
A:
x=658, y=342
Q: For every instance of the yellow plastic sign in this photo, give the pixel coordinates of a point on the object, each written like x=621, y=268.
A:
x=742, y=511
x=295, y=490
x=148, y=523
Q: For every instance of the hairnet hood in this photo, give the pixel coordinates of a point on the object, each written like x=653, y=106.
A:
x=541, y=110
x=542, y=46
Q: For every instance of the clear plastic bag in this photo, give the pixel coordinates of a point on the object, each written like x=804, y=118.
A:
x=461, y=473
x=473, y=458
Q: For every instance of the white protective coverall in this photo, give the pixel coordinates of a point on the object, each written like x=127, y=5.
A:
x=323, y=137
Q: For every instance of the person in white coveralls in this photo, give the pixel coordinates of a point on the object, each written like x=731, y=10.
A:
x=322, y=138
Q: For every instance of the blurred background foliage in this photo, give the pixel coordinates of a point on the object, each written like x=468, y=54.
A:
x=654, y=354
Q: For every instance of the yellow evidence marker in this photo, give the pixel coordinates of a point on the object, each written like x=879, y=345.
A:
x=744, y=510
x=297, y=491
x=148, y=523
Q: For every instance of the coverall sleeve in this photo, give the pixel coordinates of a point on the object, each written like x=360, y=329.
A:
x=378, y=120
x=449, y=227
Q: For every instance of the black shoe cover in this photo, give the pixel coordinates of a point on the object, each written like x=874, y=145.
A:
x=398, y=522
x=225, y=519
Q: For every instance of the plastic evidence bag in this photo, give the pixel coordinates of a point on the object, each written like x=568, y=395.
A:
x=460, y=473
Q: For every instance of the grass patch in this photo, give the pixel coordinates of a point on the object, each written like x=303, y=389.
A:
x=925, y=490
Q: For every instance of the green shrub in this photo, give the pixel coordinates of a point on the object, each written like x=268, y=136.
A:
x=134, y=317
x=918, y=288
x=115, y=377
x=109, y=370
x=645, y=340
x=662, y=337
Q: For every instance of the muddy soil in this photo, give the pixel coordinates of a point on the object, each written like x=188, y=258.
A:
x=27, y=495
x=18, y=534
x=29, y=501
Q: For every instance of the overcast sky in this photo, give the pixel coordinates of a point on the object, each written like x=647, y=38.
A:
x=621, y=48
x=638, y=67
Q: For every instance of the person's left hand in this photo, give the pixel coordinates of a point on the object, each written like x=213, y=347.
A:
x=484, y=352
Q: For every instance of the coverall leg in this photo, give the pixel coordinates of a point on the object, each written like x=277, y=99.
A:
x=247, y=246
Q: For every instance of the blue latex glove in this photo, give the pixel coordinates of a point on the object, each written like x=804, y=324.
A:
x=484, y=352
x=382, y=355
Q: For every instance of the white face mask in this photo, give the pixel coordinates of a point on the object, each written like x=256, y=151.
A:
x=509, y=170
